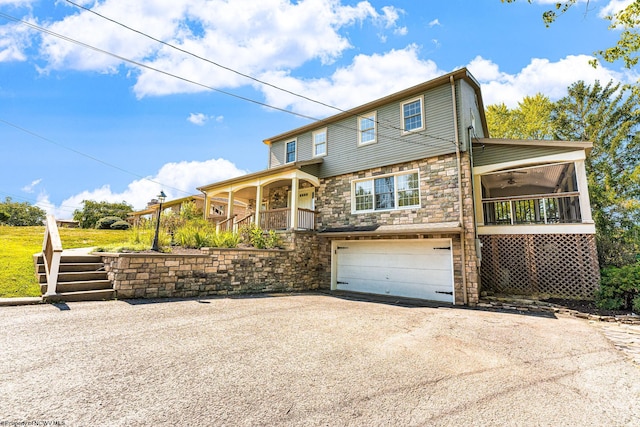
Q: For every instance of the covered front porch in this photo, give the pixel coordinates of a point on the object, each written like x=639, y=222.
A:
x=281, y=198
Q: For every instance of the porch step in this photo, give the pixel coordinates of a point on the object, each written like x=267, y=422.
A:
x=94, y=295
x=82, y=277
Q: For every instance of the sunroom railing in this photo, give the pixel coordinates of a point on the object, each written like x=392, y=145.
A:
x=550, y=208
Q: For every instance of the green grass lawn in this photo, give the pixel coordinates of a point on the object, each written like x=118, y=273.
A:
x=18, y=244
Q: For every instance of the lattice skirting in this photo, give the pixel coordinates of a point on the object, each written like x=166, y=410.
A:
x=561, y=265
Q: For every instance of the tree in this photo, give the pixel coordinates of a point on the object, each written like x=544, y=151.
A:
x=609, y=117
x=20, y=214
x=93, y=211
x=626, y=19
x=530, y=120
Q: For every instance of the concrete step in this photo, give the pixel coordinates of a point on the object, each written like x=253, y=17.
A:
x=75, y=276
x=79, y=286
x=93, y=295
x=76, y=266
x=71, y=259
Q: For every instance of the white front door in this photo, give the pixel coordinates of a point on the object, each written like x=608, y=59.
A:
x=306, y=198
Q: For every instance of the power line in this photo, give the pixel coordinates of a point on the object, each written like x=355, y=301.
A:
x=20, y=128
x=149, y=67
x=172, y=46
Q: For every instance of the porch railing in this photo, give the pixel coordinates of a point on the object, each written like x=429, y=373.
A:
x=272, y=219
x=275, y=219
x=51, y=254
x=306, y=219
x=243, y=222
x=533, y=209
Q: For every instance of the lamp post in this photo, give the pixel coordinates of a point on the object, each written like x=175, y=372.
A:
x=161, y=198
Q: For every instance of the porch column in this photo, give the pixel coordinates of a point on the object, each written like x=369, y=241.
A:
x=207, y=207
x=294, y=203
x=256, y=216
x=583, y=188
x=230, y=205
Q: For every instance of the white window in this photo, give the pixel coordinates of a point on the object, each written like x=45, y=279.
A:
x=412, y=115
x=319, y=142
x=290, y=151
x=367, y=128
x=388, y=192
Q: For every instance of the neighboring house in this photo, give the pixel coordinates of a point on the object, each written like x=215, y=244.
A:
x=217, y=208
x=407, y=196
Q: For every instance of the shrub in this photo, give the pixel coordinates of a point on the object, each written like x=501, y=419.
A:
x=255, y=236
x=226, y=239
x=120, y=225
x=619, y=288
x=106, y=222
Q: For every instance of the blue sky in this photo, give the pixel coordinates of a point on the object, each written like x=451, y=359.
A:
x=78, y=124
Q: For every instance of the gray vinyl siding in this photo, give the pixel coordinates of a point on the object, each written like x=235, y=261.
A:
x=467, y=108
x=391, y=146
x=276, y=154
x=492, y=154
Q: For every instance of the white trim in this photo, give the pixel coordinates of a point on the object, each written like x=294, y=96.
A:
x=408, y=101
x=570, y=156
x=295, y=141
x=582, y=228
x=395, y=192
x=314, y=145
x=372, y=115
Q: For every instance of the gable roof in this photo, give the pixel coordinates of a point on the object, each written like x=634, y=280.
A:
x=461, y=74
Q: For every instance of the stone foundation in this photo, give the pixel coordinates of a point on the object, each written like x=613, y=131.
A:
x=302, y=266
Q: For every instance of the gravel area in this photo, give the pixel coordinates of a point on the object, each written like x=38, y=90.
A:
x=306, y=360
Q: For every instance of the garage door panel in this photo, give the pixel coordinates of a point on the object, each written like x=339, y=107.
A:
x=410, y=275
x=437, y=261
x=410, y=268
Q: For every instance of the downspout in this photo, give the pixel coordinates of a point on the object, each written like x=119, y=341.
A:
x=460, y=196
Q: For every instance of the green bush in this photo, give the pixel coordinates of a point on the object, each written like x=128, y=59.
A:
x=619, y=288
x=120, y=225
x=256, y=237
x=226, y=239
x=106, y=222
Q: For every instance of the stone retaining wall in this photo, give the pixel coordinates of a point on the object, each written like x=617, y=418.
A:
x=221, y=271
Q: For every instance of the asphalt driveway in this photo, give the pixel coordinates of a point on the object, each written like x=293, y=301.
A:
x=307, y=360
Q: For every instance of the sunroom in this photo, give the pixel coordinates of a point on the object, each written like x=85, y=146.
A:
x=545, y=192
x=281, y=198
x=533, y=218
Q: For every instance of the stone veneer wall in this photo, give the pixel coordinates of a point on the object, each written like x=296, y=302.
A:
x=302, y=266
x=439, y=203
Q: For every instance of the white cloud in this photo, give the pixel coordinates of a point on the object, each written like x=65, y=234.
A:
x=186, y=176
x=613, y=7
x=401, y=31
x=540, y=75
x=434, y=23
x=198, y=119
x=14, y=40
x=249, y=36
x=29, y=188
x=364, y=80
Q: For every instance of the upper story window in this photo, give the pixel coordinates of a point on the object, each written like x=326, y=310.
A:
x=367, y=128
x=386, y=192
x=412, y=115
x=290, y=154
x=320, y=142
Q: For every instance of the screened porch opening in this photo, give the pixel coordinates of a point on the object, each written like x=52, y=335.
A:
x=542, y=194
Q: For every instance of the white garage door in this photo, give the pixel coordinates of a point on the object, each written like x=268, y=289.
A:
x=409, y=268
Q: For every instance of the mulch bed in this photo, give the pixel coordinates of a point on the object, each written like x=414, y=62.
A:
x=585, y=306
